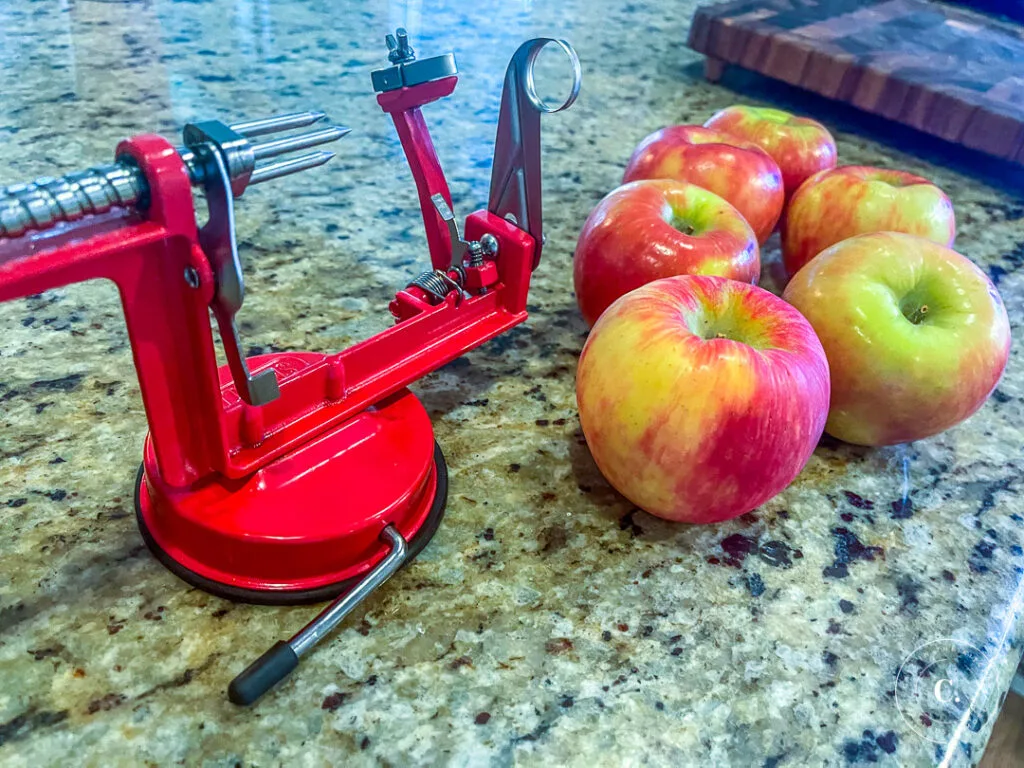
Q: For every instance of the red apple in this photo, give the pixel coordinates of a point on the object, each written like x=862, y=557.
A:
x=700, y=397
x=854, y=200
x=916, y=335
x=739, y=171
x=800, y=146
x=645, y=230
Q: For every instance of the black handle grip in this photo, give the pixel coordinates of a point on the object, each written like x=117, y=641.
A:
x=263, y=674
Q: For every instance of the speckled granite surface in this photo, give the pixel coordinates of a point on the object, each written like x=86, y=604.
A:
x=547, y=623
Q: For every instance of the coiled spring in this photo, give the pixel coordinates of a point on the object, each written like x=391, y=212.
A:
x=438, y=284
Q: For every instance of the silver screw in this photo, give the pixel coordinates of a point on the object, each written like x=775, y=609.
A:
x=191, y=277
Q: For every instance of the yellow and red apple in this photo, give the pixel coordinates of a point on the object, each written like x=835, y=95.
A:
x=853, y=200
x=799, y=145
x=646, y=230
x=916, y=335
x=738, y=171
x=701, y=397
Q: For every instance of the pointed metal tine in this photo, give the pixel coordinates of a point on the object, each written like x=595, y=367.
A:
x=253, y=128
x=301, y=141
x=288, y=167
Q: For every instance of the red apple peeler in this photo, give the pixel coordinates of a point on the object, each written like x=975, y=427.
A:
x=253, y=484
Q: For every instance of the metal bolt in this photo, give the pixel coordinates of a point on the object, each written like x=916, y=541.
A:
x=191, y=277
x=490, y=244
x=399, y=50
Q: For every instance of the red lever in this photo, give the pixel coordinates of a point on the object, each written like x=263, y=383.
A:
x=404, y=107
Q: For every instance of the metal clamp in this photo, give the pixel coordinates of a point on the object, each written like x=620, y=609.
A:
x=406, y=71
x=515, y=175
x=217, y=239
x=278, y=662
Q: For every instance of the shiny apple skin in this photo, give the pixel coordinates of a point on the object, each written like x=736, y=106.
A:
x=686, y=419
x=895, y=380
x=855, y=199
x=801, y=146
x=738, y=171
x=629, y=239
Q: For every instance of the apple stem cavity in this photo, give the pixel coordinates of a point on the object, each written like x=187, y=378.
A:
x=682, y=224
x=917, y=316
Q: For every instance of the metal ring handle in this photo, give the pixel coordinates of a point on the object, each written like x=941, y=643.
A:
x=526, y=70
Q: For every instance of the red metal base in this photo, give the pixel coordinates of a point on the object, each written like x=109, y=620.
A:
x=305, y=526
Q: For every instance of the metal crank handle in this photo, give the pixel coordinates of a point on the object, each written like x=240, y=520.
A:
x=278, y=662
x=515, y=174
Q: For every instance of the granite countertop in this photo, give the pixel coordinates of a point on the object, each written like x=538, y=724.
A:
x=548, y=622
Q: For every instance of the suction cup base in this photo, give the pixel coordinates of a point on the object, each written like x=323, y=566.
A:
x=306, y=527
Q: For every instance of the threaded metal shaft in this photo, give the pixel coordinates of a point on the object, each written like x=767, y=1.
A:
x=47, y=201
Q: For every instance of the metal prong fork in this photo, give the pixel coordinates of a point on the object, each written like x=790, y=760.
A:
x=253, y=128
x=241, y=154
x=223, y=160
x=276, y=147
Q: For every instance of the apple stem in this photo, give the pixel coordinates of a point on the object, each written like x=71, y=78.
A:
x=919, y=314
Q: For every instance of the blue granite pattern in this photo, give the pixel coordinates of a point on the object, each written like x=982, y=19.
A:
x=548, y=623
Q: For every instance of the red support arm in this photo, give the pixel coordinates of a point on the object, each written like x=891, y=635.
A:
x=404, y=107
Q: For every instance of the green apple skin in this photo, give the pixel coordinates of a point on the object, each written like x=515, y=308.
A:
x=916, y=335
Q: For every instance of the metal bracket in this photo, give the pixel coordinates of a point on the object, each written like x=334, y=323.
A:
x=217, y=239
x=223, y=160
x=234, y=148
x=515, y=173
x=459, y=246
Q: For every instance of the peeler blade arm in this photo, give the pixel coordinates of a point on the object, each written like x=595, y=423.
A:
x=515, y=192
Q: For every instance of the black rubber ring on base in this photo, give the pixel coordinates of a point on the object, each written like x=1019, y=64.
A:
x=298, y=597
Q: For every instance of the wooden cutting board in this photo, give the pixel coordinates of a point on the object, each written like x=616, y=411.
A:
x=950, y=72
